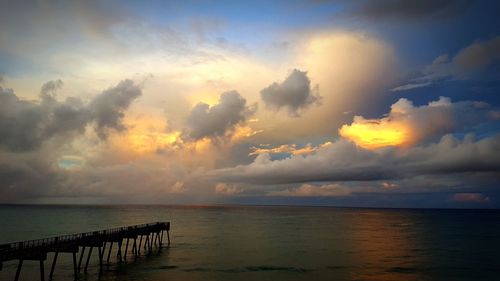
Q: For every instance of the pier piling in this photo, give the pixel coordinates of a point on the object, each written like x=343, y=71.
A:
x=37, y=250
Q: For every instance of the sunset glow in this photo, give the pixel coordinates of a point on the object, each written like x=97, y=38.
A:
x=250, y=139
x=373, y=134
x=145, y=135
x=202, y=101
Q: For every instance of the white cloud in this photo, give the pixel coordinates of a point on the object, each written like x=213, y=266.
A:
x=344, y=161
x=411, y=86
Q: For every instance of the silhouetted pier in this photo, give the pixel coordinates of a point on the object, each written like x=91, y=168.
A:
x=150, y=234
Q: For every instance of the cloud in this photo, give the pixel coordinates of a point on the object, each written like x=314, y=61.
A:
x=345, y=83
x=83, y=38
x=407, y=124
x=46, y=41
x=411, y=86
x=470, y=198
x=465, y=64
x=18, y=122
x=25, y=125
x=294, y=93
x=310, y=190
x=49, y=88
x=108, y=108
x=389, y=185
x=467, y=61
x=288, y=149
x=148, y=179
x=26, y=176
x=344, y=161
x=478, y=55
x=219, y=119
x=70, y=116
x=42, y=19
x=228, y=189
x=178, y=187
x=403, y=10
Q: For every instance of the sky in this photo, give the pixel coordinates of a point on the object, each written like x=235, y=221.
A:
x=381, y=103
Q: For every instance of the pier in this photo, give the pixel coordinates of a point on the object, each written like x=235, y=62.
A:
x=136, y=237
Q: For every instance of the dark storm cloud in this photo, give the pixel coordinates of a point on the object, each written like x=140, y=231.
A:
x=69, y=116
x=50, y=87
x=25, y=125
x=294, y=93
x=29, y=149
x=24, y=176
x=107, y=109
x=18, y=122
x=472, y=60
x=344, y=161
x=408, y=9
x=478, y=55
x=219, y=119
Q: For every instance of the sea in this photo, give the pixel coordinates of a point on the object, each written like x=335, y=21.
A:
x=273, y=242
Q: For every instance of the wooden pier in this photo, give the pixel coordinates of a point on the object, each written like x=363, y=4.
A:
x=150, y=234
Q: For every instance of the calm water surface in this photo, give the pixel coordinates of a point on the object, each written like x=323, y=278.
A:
x=276, y=243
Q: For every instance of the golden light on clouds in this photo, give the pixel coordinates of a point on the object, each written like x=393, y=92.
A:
x=373, y=134
x=145, y=135
x=243, y=132
x=204, y=96
x=151, y=141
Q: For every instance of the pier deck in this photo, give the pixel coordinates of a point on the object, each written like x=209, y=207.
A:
x=151, y=233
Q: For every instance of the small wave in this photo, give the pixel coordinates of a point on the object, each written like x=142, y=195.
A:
x=249, y=269
x=197, y=269
x=399, y=269
x=168, y=267
x=276, y=268
x=334, y=267
x=402, y=224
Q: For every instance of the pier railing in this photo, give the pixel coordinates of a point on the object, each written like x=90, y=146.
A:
x=73, y=237
x=37, y=249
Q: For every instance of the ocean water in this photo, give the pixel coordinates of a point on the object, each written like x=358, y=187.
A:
x=275, y=243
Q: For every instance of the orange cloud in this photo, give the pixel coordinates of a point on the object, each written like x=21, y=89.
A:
x=406, y=124
x=242, y=132
x=470, y=197
x=227, y=189
x=373, y=133
x=389, y=185
x=178, y=187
